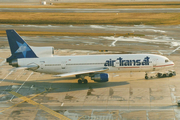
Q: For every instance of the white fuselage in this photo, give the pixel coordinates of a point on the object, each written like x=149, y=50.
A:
x=114, y=62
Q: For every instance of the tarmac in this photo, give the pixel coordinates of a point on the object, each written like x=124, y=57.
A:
x=27, y=95
x=33, y=96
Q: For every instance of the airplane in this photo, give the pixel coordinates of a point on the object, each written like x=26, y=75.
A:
x=97, y=67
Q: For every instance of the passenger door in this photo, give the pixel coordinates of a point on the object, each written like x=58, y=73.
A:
x=116, y=65
x=42, y=64
x=63, y=65
x=154, y=64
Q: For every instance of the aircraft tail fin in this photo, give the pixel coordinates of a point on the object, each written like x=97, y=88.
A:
x=19, y=48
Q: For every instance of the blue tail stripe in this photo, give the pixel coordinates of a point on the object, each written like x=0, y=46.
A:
x=19, y=48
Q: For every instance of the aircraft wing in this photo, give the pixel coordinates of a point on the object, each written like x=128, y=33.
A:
x=82, y=72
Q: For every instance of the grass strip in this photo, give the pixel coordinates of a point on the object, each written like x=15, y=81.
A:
x=34, y=33
x=90, y=18
x=101, y=5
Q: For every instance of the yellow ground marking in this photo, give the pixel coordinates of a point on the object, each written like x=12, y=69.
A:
x=50, y=111
x=22, y=101
x=81, y=117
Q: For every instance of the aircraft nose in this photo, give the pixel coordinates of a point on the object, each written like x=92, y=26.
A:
x=172, y=63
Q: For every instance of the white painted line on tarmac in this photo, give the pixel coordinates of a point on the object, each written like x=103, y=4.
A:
x=6, y=76
x=4, y=61
x=11, y=82
x=73, y=54
x=62, y=104
x=113, y=43
x=22, y=85
x=19, y=75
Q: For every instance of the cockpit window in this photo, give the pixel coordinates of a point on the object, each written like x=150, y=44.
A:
x=166, y=60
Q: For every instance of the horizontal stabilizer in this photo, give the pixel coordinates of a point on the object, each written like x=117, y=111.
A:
x=29, y=67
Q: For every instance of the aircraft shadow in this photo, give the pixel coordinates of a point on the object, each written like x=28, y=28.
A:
x=58, y=79
x=37, y=87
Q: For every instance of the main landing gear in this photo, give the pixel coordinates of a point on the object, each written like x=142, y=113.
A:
x=81, y=79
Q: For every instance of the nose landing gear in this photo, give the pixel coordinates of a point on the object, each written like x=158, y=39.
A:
x=146, y=76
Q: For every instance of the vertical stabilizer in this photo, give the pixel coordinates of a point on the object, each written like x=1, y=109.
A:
x=19, y=48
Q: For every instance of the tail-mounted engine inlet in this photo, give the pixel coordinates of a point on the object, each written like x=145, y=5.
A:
x=14, y=63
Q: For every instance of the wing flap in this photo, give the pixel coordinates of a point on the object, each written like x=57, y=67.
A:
x=82, y=72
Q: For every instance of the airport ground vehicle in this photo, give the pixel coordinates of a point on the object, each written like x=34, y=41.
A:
x=168, y=73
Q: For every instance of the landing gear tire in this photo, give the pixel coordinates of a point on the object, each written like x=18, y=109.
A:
x=170, y=75
x=164, y=75
x=159, y=75
x=85, y=81
x=146, y=77
x=79, y=81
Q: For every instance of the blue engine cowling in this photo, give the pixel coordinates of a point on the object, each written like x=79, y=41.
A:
x=102, y=77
